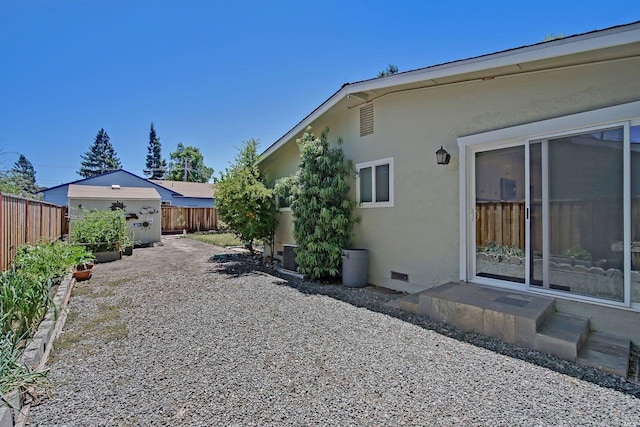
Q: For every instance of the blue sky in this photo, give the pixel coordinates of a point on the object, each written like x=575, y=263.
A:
x=212, y=74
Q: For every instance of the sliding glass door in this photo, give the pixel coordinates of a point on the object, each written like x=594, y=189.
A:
x=550, y=215
x=577, y=221
x=500, y=214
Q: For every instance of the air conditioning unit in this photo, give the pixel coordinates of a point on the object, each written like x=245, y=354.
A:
x=289, y=258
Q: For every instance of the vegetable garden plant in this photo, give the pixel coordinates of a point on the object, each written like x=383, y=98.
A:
x=25, y=297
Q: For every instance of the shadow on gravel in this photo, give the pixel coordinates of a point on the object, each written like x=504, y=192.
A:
x=378, y=300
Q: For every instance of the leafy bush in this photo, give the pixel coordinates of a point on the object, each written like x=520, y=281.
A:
x=25, y=297
x=243, y=200
x=496, y=249
x=576, y=252
x=99, y=230
x=25, y=288
x=321, y=207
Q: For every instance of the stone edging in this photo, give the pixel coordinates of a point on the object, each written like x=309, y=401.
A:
x=37, y=351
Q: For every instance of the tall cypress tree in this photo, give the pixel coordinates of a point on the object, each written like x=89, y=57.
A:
x=155, y=166
x=321, y=207
x=100, y=158
x=23, y=175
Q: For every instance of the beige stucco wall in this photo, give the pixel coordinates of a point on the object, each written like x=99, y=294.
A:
x=419, y=236
x=145, y=235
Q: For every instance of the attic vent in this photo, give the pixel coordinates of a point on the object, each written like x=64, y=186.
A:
x=366, y=119
x=115, y=187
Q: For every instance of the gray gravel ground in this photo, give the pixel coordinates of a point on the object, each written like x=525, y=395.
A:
x=200, y=344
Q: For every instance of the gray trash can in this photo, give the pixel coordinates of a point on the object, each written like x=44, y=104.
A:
x=355, y=265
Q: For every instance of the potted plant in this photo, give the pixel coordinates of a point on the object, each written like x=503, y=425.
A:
x=83, y=261
x=127, y=244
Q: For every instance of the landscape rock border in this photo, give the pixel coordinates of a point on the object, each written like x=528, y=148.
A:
x=37, y=351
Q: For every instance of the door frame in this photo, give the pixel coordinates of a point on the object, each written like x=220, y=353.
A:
x=620, y=115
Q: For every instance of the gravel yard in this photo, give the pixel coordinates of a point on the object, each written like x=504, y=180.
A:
x=167, y=338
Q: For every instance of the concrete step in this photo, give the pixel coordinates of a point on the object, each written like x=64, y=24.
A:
x=507, y=315
x=562, y=335
x=410, y=303
x=606, y=352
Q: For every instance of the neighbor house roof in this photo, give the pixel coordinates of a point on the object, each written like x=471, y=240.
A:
x=202, y=190
x=111, y=192
x=104, y=174
x=531, y=58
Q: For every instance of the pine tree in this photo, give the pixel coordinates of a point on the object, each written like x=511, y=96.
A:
x=100, y=158
x=155, y=166
x=23, y=175
x=389, y=71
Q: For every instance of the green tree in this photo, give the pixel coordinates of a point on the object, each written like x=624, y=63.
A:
x=243, y=200
x=100, y=158
x=390, y=70
x=8, y=185
x=552, y=36
x=23, y=175
x=156, y=166
x=187, y=164
x=322, y=210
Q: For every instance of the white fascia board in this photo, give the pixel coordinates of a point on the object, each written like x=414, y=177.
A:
x=571, y=45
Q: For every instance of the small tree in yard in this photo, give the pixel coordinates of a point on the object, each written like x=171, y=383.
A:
x=243, y=200
x=321, y=208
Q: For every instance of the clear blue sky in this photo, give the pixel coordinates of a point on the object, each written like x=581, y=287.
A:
x=214, y=73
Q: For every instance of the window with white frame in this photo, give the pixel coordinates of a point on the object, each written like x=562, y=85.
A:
x=374, y=183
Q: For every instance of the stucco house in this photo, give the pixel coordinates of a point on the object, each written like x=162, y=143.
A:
x=172, y=193
x=541, y=190
x=141, y=207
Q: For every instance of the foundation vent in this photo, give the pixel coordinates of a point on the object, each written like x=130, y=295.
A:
x=399, y=276
x=366, y=119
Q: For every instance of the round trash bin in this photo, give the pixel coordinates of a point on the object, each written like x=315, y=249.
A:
x=355, y=265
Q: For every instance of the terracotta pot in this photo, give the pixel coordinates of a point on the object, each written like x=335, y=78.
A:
x=81, y=275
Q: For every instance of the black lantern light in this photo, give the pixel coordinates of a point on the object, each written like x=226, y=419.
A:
x=442, y=157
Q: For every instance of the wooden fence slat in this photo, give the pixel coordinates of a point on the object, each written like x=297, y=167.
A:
x=195, y=219
x=27, y=221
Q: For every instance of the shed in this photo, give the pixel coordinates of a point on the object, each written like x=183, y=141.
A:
x=141, y=207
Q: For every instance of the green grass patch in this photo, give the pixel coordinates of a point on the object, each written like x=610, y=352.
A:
x=80, y=291
x=218, y=239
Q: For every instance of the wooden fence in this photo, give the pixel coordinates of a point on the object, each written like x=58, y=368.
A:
x=27, y=221
x=175, y=219
x=595, y=225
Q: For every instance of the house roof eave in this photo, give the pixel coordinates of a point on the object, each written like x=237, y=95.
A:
x=594, y=40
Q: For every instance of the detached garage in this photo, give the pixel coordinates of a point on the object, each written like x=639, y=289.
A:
x=141, y=207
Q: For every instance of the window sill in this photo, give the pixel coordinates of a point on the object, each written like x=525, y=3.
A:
x=367, y=205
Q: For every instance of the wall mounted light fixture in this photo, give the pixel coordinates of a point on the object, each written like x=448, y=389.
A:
x=442, y=157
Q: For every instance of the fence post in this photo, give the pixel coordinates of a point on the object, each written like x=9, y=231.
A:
x=26, y=221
